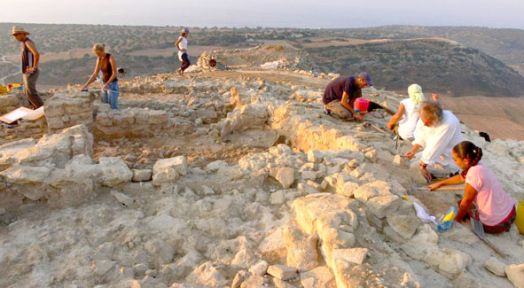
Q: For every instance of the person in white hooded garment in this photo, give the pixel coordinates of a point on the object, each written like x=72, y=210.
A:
x=407, y=114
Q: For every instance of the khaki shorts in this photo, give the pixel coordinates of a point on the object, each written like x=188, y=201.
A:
x=337, y=110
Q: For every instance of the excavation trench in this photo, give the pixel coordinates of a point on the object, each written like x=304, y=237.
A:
x=260, y=177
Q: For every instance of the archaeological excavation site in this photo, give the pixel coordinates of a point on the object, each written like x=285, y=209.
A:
x=233, y=178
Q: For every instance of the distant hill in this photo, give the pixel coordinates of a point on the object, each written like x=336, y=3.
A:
x=504, y=44
x=443, y=66
x=436, y=65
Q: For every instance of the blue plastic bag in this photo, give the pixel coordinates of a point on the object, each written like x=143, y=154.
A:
x=447, y=221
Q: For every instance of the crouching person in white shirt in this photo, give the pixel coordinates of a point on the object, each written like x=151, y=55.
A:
x=437, y=133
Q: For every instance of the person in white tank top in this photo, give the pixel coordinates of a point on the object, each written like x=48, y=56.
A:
x=181, y=44
x=407, y=115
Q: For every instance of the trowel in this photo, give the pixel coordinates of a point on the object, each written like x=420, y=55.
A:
x=478, y=229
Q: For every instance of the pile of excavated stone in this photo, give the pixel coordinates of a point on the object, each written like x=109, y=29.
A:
x=324, y=203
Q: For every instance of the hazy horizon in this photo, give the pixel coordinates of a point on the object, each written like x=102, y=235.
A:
x=269, y=13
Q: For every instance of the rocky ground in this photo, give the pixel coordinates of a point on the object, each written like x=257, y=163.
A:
x=251, y=185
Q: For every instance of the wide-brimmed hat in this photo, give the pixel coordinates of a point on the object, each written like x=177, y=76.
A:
x=18, y=30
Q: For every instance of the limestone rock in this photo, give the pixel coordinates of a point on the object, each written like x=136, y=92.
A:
x=352, y=255
x=347, y=189
x=142, y=175
x=277, y=198
x=449, y=262
x=208, y=275
x=29, y=178
x=169, y=170
x=495, y=266
x=56, y=150
x=515, y=274
x=302, y=252
x=259, y=269
x=282, y=272
x=240, y=278
x=254, y=281
x=371, y=190
x=273, y=247
x=310, y=209
x=383, y=205
x=398, y=160
x=114, y=171
x=404, y=225
x=318, y=277
x=285, y=176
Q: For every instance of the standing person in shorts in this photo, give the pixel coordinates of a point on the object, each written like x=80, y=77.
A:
x=105, y=63
x=30, y=60
x=183, y=56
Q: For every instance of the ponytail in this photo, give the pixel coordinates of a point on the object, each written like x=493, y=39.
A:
x=468, y=150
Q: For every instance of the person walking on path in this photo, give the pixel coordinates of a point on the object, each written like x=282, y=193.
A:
x=30, y=61
x=183, y=56
x=107, y=64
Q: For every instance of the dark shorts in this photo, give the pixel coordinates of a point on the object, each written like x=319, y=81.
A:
x=185, y=62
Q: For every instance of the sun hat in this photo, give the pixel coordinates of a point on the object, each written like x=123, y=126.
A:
x=17, y=30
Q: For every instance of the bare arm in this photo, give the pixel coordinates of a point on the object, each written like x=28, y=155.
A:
x=31, y=46
x=455, y=180
x=411, y=153
x=345, y=103
x=395, y=118
x=94, y=75
x=178, y=42
x=469, y=195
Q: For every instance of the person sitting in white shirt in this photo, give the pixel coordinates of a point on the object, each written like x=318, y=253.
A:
x=408, y=113
x=437, y=133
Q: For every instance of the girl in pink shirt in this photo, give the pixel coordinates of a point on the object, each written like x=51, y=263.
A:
x=496, y=209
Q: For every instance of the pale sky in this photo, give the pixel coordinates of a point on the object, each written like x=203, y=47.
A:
x=268, y=13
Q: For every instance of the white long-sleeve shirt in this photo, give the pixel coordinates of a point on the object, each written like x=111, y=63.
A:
x=438, y=141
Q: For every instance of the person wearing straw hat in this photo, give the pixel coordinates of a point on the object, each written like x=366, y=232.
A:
x=183, y=56
x=106, y=64
x=30, y=60
x=407, y=115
